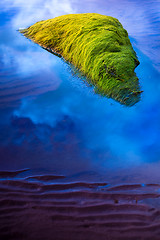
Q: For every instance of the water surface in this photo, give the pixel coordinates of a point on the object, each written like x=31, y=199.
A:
x=51, y=120
x=53, y=123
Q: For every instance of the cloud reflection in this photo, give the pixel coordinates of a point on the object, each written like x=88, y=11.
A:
x=140, y=18
x=31, y=11
x=111, y=132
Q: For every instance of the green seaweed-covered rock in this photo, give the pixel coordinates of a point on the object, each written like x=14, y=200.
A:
x=98, y=46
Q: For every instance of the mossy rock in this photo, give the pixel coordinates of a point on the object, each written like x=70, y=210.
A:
x=98, y=46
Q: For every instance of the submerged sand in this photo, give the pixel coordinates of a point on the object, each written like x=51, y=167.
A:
x=52, y=207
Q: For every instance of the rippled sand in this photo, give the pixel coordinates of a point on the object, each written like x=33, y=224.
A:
x=52, y=207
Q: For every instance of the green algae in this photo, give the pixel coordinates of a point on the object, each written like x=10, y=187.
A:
x=98, y=46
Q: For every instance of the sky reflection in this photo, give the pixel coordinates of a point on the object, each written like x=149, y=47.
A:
x=52, y=120
x=140, y=18
x=126, y=133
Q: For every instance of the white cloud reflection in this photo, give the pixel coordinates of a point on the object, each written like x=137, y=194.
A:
x=31, y=11
x=140, y=18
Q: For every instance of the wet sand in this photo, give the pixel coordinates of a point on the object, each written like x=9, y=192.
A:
x=53, y=207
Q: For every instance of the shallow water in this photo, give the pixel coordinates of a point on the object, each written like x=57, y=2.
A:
x=53, y=123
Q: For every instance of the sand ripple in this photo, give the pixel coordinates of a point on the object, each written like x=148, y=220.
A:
x=49, y=207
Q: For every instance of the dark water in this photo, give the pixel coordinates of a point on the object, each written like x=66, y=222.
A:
x=53, y=123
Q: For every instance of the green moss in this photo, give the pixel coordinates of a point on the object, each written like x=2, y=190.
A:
x=98, y=46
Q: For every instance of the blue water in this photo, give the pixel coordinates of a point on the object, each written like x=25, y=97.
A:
x=53, y=122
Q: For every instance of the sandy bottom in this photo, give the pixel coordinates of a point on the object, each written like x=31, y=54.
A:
x=51, y=207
